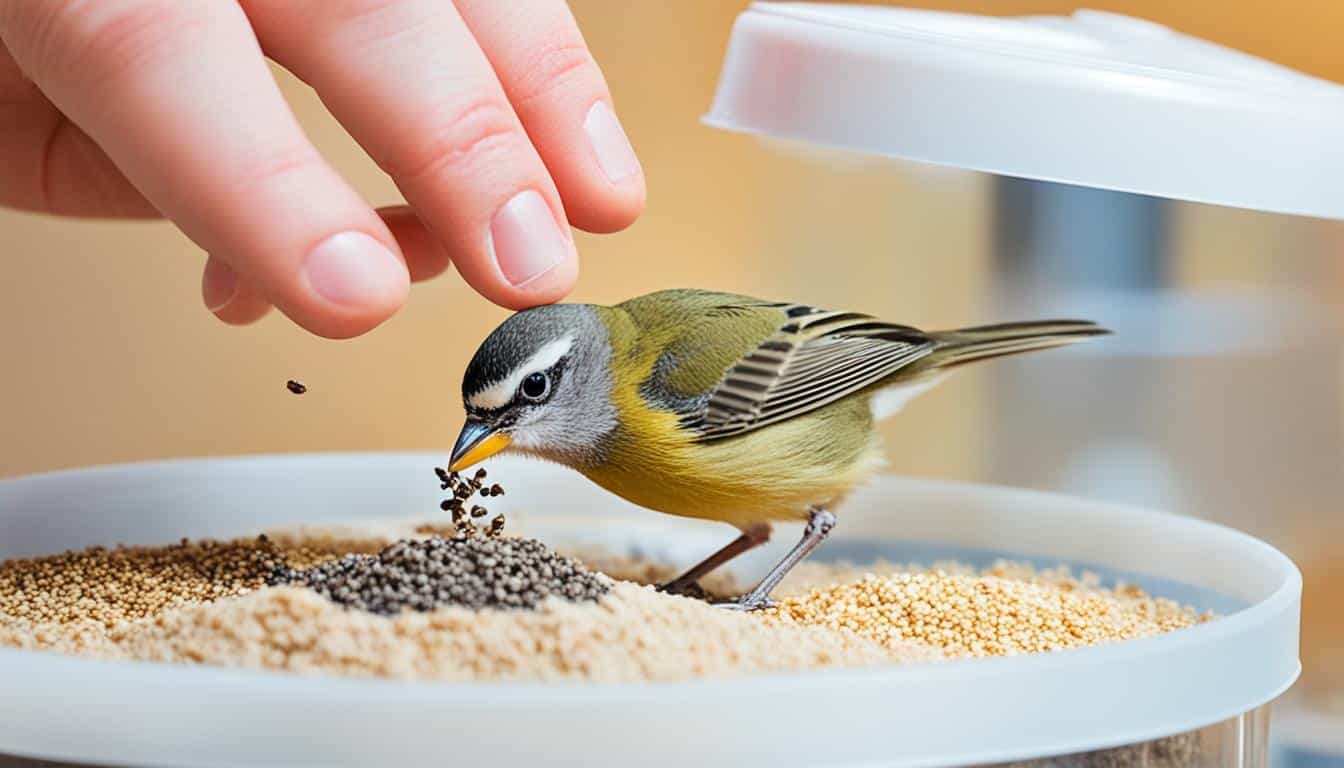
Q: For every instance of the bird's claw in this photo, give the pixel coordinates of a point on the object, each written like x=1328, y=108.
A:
x=746, y=603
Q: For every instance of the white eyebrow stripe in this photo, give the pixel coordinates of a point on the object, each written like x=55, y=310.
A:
x=500, y=393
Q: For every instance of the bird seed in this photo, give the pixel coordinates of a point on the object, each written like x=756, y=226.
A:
x=469, y=571
x=206, y=603
x=471, y=521
x=107, y=585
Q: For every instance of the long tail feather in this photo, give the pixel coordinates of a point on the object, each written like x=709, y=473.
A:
x=983, y=342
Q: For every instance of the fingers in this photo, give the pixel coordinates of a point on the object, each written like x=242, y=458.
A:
x=49, y=164
x=230, y=299
x=179, y=97
x=562, y=99
x=238, y=303
x=413, y=87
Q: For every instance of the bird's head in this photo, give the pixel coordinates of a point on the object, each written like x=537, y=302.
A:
x=540, y=383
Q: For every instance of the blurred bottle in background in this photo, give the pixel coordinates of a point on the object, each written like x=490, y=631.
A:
x=1215, y=401
x=1221, y=394
x=1219, y=397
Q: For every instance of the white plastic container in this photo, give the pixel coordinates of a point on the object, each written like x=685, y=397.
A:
x=1075, y=104
x=1215, y=678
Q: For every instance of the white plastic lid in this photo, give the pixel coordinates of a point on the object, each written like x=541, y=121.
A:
x=1096, y=99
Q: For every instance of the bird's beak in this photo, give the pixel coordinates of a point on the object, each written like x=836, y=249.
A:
x=478, y=442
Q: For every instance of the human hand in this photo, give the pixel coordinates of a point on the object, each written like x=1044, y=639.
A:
x=486, y=114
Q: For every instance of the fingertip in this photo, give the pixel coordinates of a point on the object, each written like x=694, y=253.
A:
x=529, y=256
x=348, y=284
x=219, y=284
x=607, y=212
x=614, y=193
x=597, y=173
x=227, y=297
x=341, y=326
x=547, y=288
x=247, y=307
x=550, y=286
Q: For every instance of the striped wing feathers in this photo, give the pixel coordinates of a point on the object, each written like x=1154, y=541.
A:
x=815, y=358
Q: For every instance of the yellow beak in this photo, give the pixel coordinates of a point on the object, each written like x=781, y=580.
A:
x=477, y=443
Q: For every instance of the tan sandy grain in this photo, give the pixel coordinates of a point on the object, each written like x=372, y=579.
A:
x=632, y=634
x=988, y=615
x=201, y=603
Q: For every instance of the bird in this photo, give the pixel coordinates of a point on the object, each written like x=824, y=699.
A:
x=716, y=406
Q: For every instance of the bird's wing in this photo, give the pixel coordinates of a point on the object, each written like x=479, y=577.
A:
x=815, y=357
x=686, y=339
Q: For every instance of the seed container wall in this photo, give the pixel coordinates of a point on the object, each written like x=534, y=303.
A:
x=1119, y=704
x=1242, y=740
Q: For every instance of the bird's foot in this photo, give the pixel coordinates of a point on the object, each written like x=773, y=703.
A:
x=747, y=602
x=819, y=524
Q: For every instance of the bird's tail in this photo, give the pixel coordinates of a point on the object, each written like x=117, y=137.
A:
x=967, y=345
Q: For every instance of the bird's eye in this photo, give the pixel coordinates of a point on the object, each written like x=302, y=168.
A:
x=535, y=386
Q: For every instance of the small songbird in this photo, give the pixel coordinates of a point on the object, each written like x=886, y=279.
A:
x=716, y=406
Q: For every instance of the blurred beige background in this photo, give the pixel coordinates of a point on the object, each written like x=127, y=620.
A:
x=108, y=355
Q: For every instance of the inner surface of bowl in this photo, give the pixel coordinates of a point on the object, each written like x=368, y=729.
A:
x=1018, y=707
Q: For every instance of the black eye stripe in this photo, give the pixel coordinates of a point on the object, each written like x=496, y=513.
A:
x=498, y=414
x=485, y=414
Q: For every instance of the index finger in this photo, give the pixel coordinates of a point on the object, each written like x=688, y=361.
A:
x=411, y=84
x=562, y=98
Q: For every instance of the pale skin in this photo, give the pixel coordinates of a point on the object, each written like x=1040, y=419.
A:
x=491, y=117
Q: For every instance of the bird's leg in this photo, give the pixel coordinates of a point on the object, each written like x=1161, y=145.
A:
x=751, y=537
x=818, y=526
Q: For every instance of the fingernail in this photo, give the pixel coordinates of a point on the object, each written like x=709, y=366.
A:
x=610, y=144
x=353, y=269
x=526, y=241
x=219, y=284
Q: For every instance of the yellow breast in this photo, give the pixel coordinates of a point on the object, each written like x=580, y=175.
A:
x=773, y=473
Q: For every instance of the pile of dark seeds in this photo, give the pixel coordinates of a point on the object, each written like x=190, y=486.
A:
x=476, y=568
x=469, y=571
